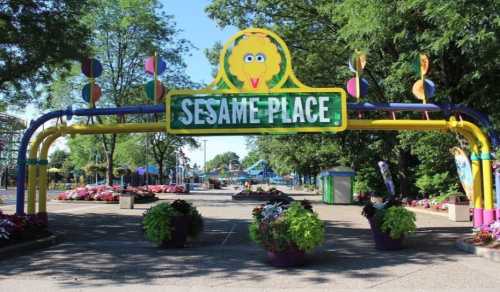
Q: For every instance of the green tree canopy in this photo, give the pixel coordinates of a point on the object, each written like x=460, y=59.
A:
x=38, y=38
x=124, y=34
x=222, y=160
x=460, y=38
x=252, y=157
x=57, y=158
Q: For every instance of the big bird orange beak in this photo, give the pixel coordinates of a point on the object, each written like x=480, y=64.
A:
x=255, y=82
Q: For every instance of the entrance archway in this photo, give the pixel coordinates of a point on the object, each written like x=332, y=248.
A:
x=248, y=97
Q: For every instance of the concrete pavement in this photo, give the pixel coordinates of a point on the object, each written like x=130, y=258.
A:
x=104, y=250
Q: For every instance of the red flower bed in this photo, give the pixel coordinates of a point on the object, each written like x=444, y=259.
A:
x=14, y=228
x=172, y=188
x=103, y=193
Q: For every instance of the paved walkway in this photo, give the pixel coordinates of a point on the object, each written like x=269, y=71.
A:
x=104, y=250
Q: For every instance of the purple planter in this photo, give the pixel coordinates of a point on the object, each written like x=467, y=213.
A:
x=382, y=240
x=180, y=227
x=291, y=257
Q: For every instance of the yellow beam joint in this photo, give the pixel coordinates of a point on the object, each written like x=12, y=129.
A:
x=42, y=178
x=33, y=163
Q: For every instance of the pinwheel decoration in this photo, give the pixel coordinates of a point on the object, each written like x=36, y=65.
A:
x=91, y=92
x=424, y=88
x=155, y=66
x=357, y=86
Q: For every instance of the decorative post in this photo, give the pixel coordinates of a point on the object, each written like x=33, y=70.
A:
x=155, y=66
x=91, y=92
x=423, y=88
x=357, y=86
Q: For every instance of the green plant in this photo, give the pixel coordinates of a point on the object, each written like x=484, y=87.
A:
x=436, y=184
x=306, y=230
x=361, y=186
x=156, y=222
x=398, y=222
x=278, y=227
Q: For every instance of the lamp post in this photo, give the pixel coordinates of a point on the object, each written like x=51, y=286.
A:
x=205, y=157
x=96, y=170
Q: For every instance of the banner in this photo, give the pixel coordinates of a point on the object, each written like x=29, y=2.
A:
x=386, y=174
x=256, y=113
x=464, y=171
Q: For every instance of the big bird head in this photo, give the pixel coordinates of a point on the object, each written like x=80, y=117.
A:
x=254, y=61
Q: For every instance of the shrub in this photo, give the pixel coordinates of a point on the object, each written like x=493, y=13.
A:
x=157, y=220
x=390, y=217
x=398, y=222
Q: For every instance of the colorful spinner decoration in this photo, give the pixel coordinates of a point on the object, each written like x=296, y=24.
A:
x=357, y=86
x=155, y=66
x=423, y=89
x=91, y=92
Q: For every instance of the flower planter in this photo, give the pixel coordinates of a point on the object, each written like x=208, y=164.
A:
x=180, y=226
x=291, y=257
x=382, y=240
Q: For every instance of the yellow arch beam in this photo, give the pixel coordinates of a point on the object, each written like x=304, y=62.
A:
x=385, y=125
x=33, y=162
x=77, y=129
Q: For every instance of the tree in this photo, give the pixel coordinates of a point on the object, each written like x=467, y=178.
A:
x=57, y=158
x=60, y=159
x=460, y=37
x=252, y=157
x=39, y=37
x=222, y=160
x=166, y=147
x=124, y=33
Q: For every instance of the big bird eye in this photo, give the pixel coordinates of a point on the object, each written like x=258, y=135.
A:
x=248, y=58
x=260, y=57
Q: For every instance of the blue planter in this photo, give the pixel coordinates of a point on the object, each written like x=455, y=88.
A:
x=291, y=257
x=382, y=240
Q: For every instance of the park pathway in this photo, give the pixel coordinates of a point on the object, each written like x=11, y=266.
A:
x=103, y=249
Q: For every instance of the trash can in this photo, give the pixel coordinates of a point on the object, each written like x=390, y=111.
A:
x=337, y=185
x=127, y=200
x=458, y=210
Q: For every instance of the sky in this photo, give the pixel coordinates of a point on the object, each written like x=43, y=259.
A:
x=196, y=27
x=203, y=33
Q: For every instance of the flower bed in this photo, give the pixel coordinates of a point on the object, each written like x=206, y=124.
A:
x=171, y=188
x=486, y=236
x=430, y=204
x=261, y=195
x=104, y=193
x=16, y=229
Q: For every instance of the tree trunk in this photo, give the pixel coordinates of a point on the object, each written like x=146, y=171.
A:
x=109, y=150
x=404, y=184
x=109, y=168
x=160, y=171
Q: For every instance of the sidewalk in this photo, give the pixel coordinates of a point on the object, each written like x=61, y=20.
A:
x=104, y=249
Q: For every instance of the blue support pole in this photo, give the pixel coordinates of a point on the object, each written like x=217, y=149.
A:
x=34, y=125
